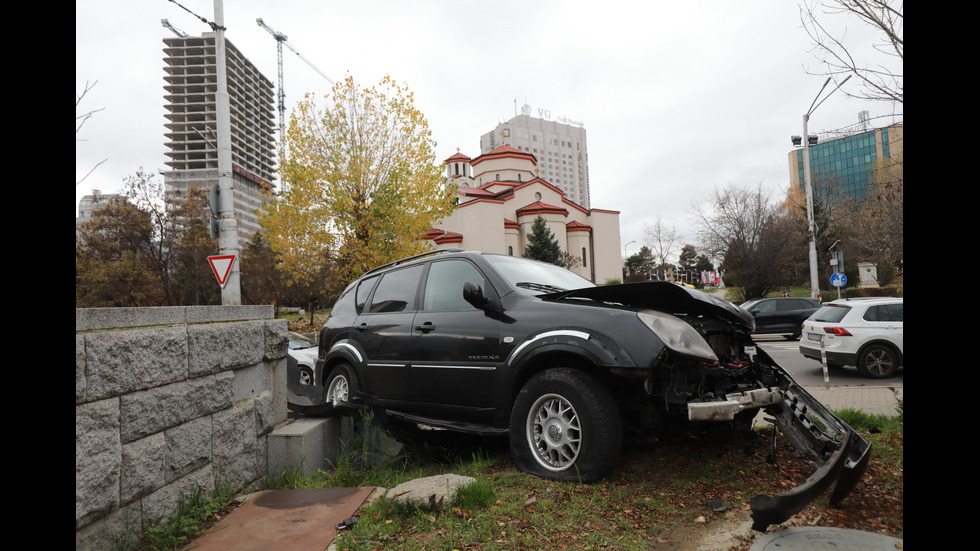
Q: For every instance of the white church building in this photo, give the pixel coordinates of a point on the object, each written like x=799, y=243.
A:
x=499, y=197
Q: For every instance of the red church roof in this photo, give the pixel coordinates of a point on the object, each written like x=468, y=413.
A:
x=504, y=151
x=541, y=208
x=457, y=157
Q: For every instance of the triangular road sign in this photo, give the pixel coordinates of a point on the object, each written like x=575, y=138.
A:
x=221, y=266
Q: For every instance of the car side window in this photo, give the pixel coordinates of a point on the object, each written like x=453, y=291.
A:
x=871, y=314
x=885, y=312
x=364, y=291
x=787, y=305
x=765, y=306
x=396, y=291
x=444, y=285
x=896, y=312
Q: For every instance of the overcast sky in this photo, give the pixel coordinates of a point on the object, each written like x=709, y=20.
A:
x=677, y=98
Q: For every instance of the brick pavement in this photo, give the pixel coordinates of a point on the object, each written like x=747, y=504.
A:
x=875, y=399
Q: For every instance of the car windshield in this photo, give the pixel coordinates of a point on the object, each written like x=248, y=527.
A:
x=536, y=278
x=297, y=341
x=832, y=313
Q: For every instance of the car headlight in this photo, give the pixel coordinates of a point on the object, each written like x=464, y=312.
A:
x=677, y=335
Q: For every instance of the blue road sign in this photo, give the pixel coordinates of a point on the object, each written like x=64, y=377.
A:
x=838, y=280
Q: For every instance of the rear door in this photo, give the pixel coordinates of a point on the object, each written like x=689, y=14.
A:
x=790, y=314
x=887, y=320
x=384, y=331
x=766, y=316
x=456, y=346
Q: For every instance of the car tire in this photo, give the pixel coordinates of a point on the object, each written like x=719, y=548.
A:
x=565, y=426
x=794, y=337
x=339, y=387
x=877, y=361
x=305, y=375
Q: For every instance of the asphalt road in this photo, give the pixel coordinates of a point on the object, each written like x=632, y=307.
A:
x=810, y=373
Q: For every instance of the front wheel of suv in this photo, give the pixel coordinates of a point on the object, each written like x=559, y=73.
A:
x=878, y=362
x=565, y=425
x=340, y=386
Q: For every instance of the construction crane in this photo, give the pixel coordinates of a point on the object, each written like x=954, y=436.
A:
x=176, y=31
x=280, y=40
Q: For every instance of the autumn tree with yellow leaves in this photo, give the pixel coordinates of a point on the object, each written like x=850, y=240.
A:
x=361, y=183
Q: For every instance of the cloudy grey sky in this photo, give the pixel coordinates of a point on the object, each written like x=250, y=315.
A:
x=677, y=98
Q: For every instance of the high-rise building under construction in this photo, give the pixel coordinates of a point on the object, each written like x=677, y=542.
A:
x=192, y=141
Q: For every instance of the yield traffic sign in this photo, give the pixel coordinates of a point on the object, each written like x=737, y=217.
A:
x=221, y=266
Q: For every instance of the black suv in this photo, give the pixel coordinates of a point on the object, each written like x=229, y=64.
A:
x=490, y=343
x=781, y=315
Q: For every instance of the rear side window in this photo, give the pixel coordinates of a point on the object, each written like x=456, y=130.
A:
x=396, y=291
x=832, y=313
x=364, y=291
x=886, y=312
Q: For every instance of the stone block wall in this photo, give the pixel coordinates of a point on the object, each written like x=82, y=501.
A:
x=169, y=402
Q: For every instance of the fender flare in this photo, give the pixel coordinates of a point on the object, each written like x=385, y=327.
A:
x=341, y=350
x=596, y=348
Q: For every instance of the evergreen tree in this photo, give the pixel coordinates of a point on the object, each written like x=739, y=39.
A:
x=542, y=245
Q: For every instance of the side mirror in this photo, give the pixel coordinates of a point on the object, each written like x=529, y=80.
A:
x=473, y=294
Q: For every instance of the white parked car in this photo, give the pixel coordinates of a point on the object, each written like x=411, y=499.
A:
x=304, y=350
x=863, y=332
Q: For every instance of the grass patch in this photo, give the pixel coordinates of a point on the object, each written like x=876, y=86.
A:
x=195, y=514
x=862, y=421
x=300, y=323
x=653, y=491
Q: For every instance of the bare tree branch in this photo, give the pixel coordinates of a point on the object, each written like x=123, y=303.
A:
x=80, y=121
x=662, y=240
x=880, y=82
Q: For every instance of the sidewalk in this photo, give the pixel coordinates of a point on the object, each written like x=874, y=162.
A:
x=881, y=400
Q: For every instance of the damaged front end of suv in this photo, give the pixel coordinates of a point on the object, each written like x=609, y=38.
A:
x=709, y=369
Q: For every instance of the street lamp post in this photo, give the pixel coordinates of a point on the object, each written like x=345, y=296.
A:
x=808, y=184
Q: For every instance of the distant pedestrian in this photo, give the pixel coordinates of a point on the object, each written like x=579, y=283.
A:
x=786, y=293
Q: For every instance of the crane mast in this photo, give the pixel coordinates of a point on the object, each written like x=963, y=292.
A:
x=280, y=40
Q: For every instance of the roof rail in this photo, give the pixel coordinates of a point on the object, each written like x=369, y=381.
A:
x=411, y=258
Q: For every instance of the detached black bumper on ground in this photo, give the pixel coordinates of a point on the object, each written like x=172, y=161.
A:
x=842, y=453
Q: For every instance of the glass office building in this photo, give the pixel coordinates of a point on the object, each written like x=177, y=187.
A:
x=847, y=164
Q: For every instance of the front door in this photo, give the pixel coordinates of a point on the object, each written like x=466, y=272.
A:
x=456, y=346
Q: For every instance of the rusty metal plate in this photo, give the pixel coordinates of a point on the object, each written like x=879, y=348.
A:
x=298, y=520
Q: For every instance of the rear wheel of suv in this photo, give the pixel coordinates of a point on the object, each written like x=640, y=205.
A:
x=565, y=426
x=878, y=362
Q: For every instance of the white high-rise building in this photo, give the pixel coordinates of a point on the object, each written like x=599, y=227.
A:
x=192, y=141
x=559, y=146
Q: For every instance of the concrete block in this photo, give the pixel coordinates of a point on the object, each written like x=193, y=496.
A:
x=339, y=434
x=298, y=445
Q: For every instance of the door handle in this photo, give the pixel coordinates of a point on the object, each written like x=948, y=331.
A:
x=425, y=327
x=362, y=327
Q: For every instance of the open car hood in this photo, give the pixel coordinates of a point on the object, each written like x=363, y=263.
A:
x=663, y=296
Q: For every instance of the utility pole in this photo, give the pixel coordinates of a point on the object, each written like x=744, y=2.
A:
x=811, y=224
x=231, y=294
